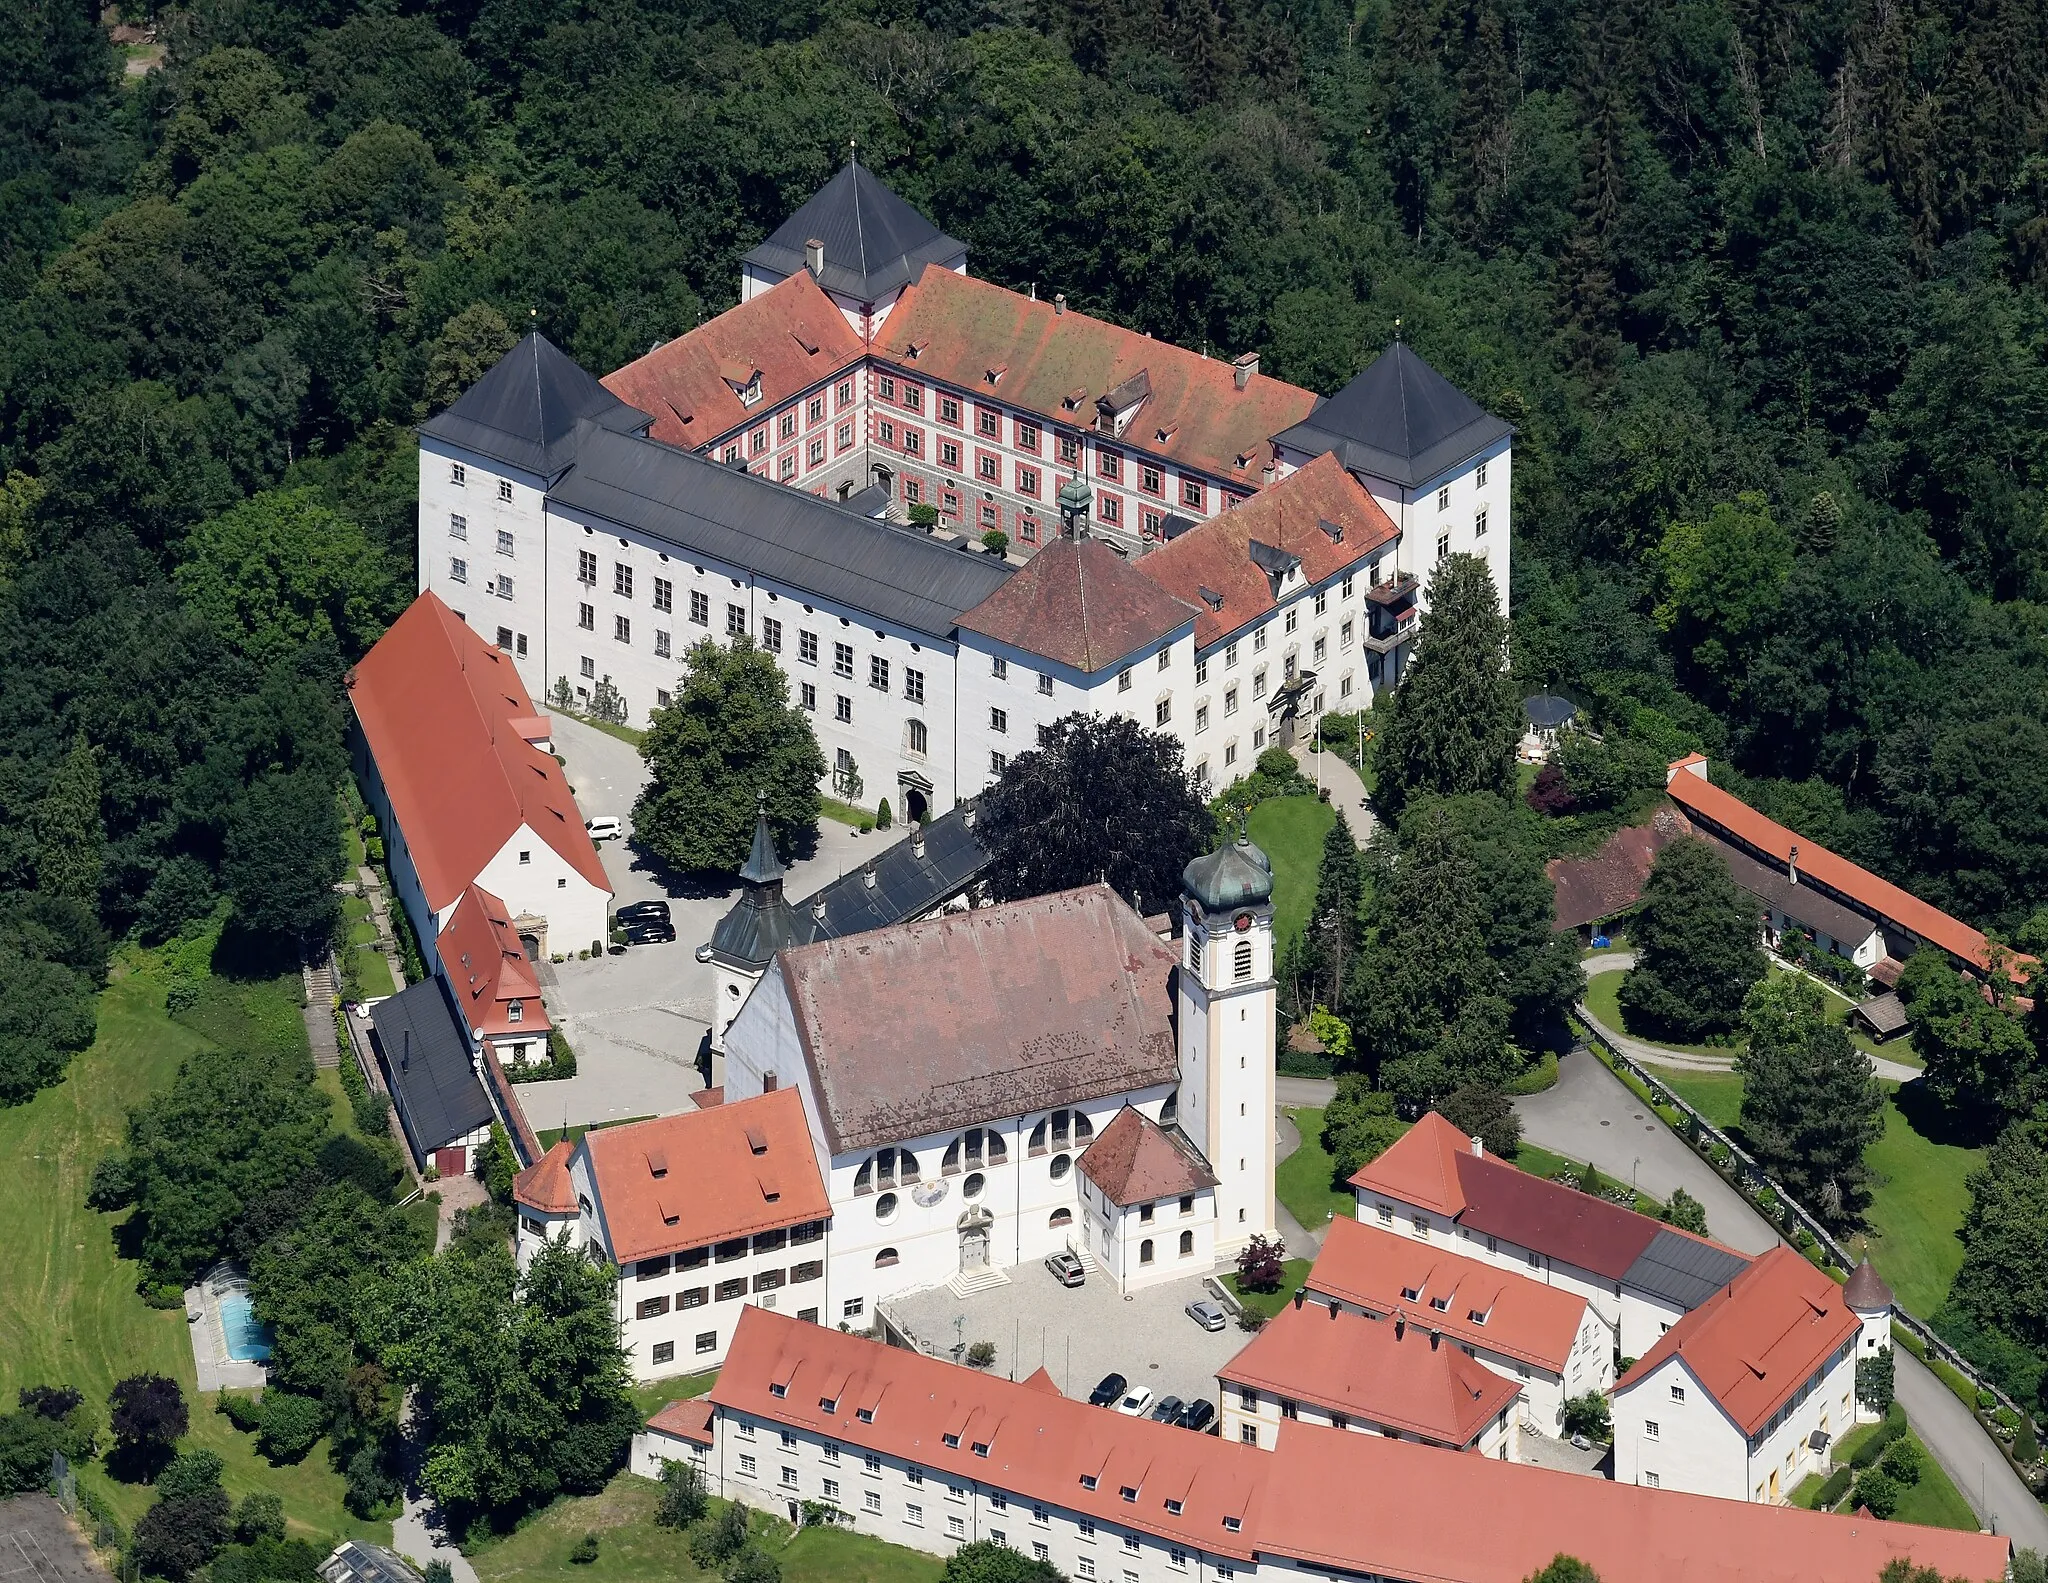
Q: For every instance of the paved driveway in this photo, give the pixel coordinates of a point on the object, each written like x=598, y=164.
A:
x=637, y=1019
x=1080, y=1333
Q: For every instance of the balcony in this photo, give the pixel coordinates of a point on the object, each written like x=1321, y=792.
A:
x=1392, y=594
x=1385, y=633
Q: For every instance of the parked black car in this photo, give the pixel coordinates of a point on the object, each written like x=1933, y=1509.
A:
x=1110, y=1390
x=1199, y=1416
x=649, y=931
x=1168, y=1410
x=642, y=911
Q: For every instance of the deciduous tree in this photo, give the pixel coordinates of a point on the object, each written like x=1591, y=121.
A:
x=1697, y=951
x=1810, y=1106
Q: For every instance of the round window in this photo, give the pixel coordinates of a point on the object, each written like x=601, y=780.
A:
x=733, y=990
x=971, y=1188
x=885, y=1207
x=1061, y=1164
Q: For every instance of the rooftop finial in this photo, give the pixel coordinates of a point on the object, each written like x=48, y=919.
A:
x=1244, y=829
x=852, y=151
x=1397, y=327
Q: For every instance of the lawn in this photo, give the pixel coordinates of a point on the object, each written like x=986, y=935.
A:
x=555, y=1135
x=631, y=1549
x=1602, y=1000
x=1306, y=1180
x=1933, y=1499
x=1715, y=1095
x=650, y=1399
x=1290, y=831
x=1270, y=1303
x=1541, y=1162
x=69, y=1313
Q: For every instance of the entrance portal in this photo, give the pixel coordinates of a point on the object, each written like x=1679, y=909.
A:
x=974, y=1227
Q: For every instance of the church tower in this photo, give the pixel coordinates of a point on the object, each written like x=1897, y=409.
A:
x=1228, y=1000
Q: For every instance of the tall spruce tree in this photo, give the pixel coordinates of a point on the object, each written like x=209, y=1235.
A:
x=1336, y=919
x=71, y=834
x=1454, y=721
x=2003, y=1283
x=1810, y=1106
x=1696, y=946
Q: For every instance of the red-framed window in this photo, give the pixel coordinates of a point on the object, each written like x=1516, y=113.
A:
x=949, y=502
x=1110, y=464
x=1070, y=449
x=1192, y=493
x=988, y=467
x=1027, y=436
x=1109, y=508
x=949, y=455
x=1151, y=479
x=913, y=441
x=949, y=410
x=1027, y=480
x=913, y=397
x=988, y=422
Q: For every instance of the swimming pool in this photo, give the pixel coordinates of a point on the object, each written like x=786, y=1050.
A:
x=248, y=1337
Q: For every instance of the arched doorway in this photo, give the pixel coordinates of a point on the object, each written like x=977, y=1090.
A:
x=974, y=1227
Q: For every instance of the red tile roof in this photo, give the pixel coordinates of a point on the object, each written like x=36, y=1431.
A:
x=1386, y=1371
x=706, y=1175
x=545, y=1185
x=1611, y=880
x=1134, y=1161
x=486, y=967
x=1214, y=558
x=1524, y=1319
x=1715, y=807
x=1039, y=1446
x=944, y=1023
x=1421, y=1167
x=1079, y=602
x=1758, y=1339
x=966, y=329
x=1362, y=1505
x=792, y=336
x=689, y=1420
x=437, y=705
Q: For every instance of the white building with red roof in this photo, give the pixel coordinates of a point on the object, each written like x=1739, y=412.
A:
x=492, y=980
x=931, y=1455
x=699, y=1216
x=453, y=759
x=1743, y=1396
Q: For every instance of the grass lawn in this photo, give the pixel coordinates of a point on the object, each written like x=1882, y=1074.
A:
x=1602, y=1000
x=1715, y=1095
x=1808, y=1491
x=1915, y=1215
x=1270, y=1303
x=1290, y=831
x=555, y=1135
x=1933, y=1499
x=651, y=1398
x=631, y=1549
x=1541, y=1162
x=69, y=1313
x=846, y=813
x=1306, y=1180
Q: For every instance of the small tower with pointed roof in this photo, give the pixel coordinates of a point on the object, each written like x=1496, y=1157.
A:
x=1871, y=1301
x=1228, y=1001
x=760, y=923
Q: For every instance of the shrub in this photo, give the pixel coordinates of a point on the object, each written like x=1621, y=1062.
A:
x=1588, y=1415
x=1902, y=1461
x=996, y=542
x=259, y=1517
x=1873, y=1448
x=1262, y=1265
x=1833, y=1490
x=438, y=1572
x=1878, y=1491
x=753, y=1565
x=291, y=1424
x=369, y=1486
x=883, y=817
x=244, y=1412
x=2025, y=1445
x=584, y=1550
x=683, y=1499
x=717, y=1541
x=981, y=1354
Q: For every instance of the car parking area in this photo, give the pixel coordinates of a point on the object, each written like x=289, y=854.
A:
x=1079, y=1333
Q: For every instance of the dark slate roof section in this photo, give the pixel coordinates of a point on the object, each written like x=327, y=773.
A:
x=524, y=412
x=1802, y=903
x=875, y=242
x=906, y=885
x=782, y=535
x=426, y=1061
x=1399, y=420
x=1683, y=1270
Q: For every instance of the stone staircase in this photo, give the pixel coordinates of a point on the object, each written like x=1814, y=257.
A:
x=1088, y=1260
x=968, y=1283
x=319, y=1013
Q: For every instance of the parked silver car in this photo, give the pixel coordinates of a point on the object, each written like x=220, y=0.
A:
x=1208, y=1315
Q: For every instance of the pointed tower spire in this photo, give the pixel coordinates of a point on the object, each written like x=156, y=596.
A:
x=763, y=866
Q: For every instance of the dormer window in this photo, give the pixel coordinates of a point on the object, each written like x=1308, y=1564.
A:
x=1088, y=1481
x=1477, y=1316
x=1441, y=1304
x=865, y=1414
x=829, y=1403
x=1234, y=1524
x=1411, y=1293
x=778, y=1390
x=980, y=1448
x=1129, y=1492
x=750, y=393
x=1173, y=1508
x=515, y=1011
x=951, y=1440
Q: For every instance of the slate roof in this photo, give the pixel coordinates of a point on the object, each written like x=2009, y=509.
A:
x=1611, y=880
x=434, y=1087
x=1802, y=904
x=1399, y=420
x=784, y=536
x=907, y=884
x=1865, y=1289
x=1683, y=1269
x=524, y=412
x=1216, y=568
x=791, y=336
x=962, y=331
x=1756, y=1339
x=1079, y=602
x=1134, y=1160
x=874, y=240
x=1385, y=1371
x=992, y=1012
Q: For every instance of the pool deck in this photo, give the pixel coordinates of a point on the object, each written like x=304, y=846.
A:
x=217, y=1371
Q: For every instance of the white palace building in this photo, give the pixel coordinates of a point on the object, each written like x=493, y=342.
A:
x=1193, y=544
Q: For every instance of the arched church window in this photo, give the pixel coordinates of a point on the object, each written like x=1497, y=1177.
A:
x=1187, y=1244
x=1145, y=1251
x=1242, y=967
x=1036, y=1147
x=1084, y=1129
x=1169, y=1110
x=996, y=1151
x=1059, y=1218
x=885, y=1258
x=950, y=1164
x=864, y=1178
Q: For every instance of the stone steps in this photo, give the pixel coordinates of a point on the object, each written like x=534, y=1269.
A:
x=968, y=1282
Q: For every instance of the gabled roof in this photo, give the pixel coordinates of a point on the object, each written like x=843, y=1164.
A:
x=1421, y=1167
x=545, y=1185
x=1022, y=353
x=525, y=410
x=785, y=536
x=1079, y=602
x=689, y=1420
x=792, y=337
x=1758, y=1339
x=705, y=1176
x=1391, y=1372
x=1134, y=1161
x=1611, y=880
x=874, y=240
x=1715, y=808
x=1805, y=904
x=487, y=969
x=1364, y=1506
x=1221, y=566
x=1399, y=420
x=1521, y=1318
x=992, y=1012
x=434, y=1086
x=1039, y=1445
x=440, y=709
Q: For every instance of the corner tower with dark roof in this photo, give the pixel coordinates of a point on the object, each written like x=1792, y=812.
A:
x=758, y=925
x=1228, y=1001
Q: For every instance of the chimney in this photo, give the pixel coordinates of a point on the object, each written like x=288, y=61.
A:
x=1333, y=1308
x=967, y=816
x=769, y=1082
x=1400, y=1326
x=1299, y=1293
x=1478, y=1148
x=1059, y=302
x=1792, y=863
x=1244, y=367
x=1436, y=1339
x=818, y=907
x=405, y=1054
x=867, y=873
x=814, y=257
x=916, y=838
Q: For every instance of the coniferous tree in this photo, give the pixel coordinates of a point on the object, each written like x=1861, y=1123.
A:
x=2002, y=1286
x=1336, y=918
x=71, y=835
x=1696, y=946
x=1454, y=721
x=1810, y=1106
